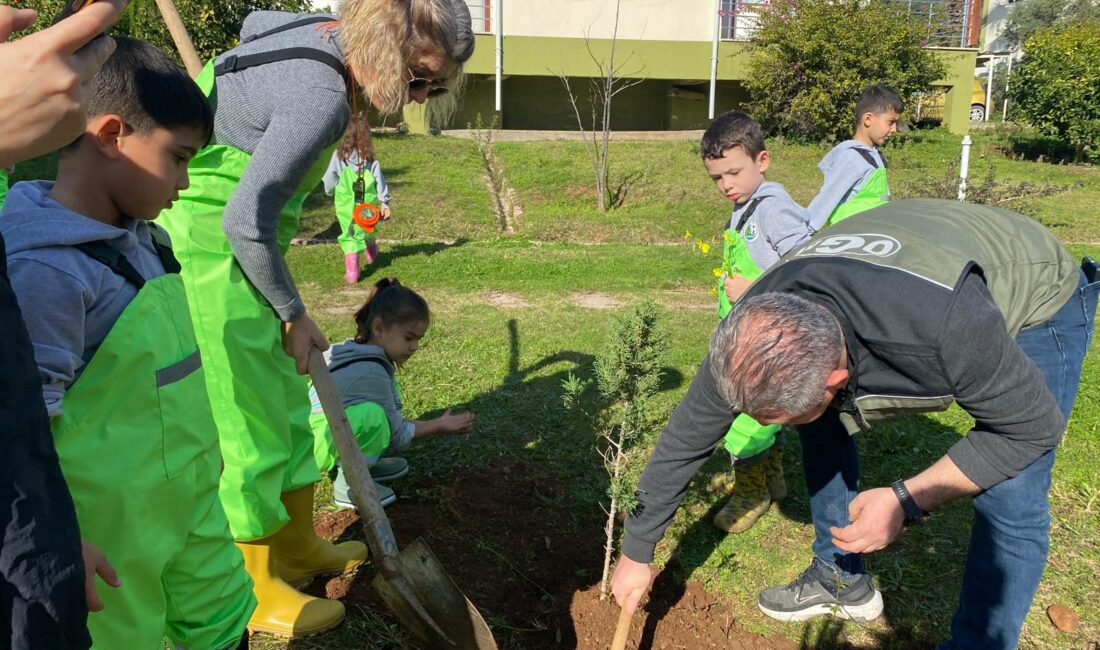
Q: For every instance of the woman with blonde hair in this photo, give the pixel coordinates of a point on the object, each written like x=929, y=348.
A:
x=282, y=100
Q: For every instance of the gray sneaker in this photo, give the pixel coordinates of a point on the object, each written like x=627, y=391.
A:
x=818, y=592
x=341, y=493
x=389, y=469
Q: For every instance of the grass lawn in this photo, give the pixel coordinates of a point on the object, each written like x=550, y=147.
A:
x=514, y=315
x=557, y=283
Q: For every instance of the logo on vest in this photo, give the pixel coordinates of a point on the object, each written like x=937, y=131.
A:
x=751, y=232
x=870, y=245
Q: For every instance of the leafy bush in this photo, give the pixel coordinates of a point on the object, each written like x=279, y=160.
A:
x=214, y=25
x=810, y=59
x=1056, y=86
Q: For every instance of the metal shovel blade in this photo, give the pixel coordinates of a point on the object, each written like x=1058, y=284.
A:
x=422, y=578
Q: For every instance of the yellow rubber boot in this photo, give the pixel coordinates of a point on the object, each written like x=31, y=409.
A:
x=777, y=485
x=281, y=609
x=300, y=554
x=749, y=502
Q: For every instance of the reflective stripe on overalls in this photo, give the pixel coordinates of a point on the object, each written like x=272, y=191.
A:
x=875, y=191
x=138, y=447
x=746, y=437
x=368, y=422
x=352, y=239
x=260, y=403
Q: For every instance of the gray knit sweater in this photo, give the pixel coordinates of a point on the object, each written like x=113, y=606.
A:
x=284, y=114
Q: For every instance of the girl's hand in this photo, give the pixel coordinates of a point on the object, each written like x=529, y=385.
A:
x=386, y=212
x=457, y=423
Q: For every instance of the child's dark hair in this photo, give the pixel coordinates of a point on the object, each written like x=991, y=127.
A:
x=877, y=99
x=394, y=303
x=148, y=90
x=729, y=130
x=357, y=140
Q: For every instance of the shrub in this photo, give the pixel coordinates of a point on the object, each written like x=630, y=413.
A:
x=1056, y=86
x=810, y=59
x=214, y=25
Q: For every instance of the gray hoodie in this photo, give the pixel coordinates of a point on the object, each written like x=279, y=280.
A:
x=777, y=225
x=368, y=377
x=845, y=173
x=336, y=167
x=284, y=114
x=69, y=301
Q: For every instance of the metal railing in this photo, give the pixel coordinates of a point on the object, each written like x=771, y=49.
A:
x=948, y=21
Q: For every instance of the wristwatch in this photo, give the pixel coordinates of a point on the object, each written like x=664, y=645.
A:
x=913, y=512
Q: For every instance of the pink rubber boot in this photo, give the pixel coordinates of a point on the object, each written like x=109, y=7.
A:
x=372, y=252
x=351, y=268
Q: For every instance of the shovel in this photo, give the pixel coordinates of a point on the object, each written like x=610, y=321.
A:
x=412, y=582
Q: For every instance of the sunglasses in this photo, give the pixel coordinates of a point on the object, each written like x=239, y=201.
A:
x=420, y=83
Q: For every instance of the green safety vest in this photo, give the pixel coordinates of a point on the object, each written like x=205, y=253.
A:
x=746, y=437
x=736, y=259
x=3, y=186
x=352, y=239
x=260, y=403
x=875, y=192
x=139, y=449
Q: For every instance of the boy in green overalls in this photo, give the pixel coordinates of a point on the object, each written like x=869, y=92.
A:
x=855, y=171
x=122, y=376
x=766, y=223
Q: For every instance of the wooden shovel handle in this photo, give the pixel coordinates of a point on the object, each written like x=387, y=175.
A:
x=180, y=37
x=622, y=630
x=377, y=525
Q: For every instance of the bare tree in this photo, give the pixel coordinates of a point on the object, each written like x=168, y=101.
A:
x=603, y=88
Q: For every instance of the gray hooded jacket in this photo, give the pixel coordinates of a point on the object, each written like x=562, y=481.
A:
x=363, y=373
x=845, y=173
x=69, y=301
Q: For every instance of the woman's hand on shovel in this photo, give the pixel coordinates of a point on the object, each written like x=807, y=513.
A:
x=630, y=582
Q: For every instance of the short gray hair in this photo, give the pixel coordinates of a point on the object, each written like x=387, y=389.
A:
x=772, y=355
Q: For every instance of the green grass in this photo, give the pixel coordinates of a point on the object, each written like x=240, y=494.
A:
x=514, y=315
x=566, y=250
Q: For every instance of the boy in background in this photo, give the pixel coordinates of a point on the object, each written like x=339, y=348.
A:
x=855, y=170
x=765, y=225
x=121, y=374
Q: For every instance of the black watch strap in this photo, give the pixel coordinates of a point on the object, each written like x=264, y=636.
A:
x=913, y=512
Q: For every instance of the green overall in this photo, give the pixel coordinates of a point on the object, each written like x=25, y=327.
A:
x=260, y=403
x=746, y=437
x=875, y=192
x=3, y=186
x=352, y=239
x=138, y=447
x=368, y=422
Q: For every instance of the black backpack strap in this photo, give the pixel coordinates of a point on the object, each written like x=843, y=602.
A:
x=234, y=63
x=312, y=20
x=164, y=249
x=748, y=212
x=112, y=259
x=868, y=157
x=349, y=362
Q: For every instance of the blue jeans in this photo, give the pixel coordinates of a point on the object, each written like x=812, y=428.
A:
x=1011, y=532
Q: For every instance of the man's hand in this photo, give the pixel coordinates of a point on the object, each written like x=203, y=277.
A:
x=299, y=337
x=877, y=519
x=47, y=76
x=96, y=563
x=630, y=582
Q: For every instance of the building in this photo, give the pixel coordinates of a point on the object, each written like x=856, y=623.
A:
x=689, y=57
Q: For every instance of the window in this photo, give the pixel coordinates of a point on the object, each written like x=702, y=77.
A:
x=481, y=15
x=739, y=19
